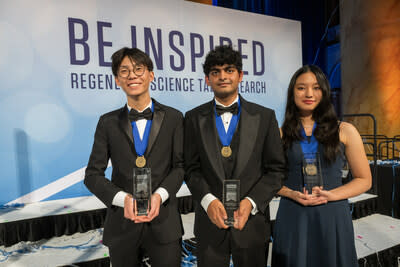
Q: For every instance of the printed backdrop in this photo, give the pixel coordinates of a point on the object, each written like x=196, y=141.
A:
x=56, y=80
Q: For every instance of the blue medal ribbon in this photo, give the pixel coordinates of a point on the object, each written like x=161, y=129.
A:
x=309, y=144
x=141, y=144
x=226, y=137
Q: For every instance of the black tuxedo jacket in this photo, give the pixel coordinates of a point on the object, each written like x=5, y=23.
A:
x=164, y=154
x=260, y=167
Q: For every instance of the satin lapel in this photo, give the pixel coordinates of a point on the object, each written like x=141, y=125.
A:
x=125, y=124
x=158, y=117
x=249, y=125
x=209, y=137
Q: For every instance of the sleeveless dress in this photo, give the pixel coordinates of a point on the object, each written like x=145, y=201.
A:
x=313, y=236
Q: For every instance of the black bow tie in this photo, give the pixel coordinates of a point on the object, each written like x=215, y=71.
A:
x=232, y=109
x=134, y=115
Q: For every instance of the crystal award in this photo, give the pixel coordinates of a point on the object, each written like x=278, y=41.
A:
x=312, y=173
x=142, y=190
x=231, y=199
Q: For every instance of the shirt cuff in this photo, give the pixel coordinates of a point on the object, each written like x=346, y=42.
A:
x=206, y=200
x=119, y=199
x=254, y=210
x=163, y=194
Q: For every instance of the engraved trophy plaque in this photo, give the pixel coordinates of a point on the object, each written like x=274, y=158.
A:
x=231, y=199
x=142, y=190
x=312, y=173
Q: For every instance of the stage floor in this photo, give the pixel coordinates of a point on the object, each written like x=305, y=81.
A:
x=373, y=233
x=81, y=204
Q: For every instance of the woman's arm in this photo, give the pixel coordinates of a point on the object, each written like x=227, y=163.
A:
x=358, y=163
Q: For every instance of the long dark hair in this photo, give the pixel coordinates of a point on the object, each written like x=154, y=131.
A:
x=327, y=130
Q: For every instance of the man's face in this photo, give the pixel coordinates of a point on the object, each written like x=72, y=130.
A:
x=138, y=77
x=224, y=80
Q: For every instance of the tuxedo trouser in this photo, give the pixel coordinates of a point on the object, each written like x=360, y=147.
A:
x=160, y=254
x=218, y=255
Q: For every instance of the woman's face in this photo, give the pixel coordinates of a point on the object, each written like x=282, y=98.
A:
x=307, y=93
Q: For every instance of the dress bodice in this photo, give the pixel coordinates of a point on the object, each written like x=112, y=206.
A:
x=331, y=172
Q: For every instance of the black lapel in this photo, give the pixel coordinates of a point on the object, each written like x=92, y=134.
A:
x=125, y=124
x=209, y=137
x=249, y=126
x=158, y=117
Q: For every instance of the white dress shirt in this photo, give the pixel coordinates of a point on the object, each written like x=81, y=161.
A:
x=226, y=120
x=119, y=198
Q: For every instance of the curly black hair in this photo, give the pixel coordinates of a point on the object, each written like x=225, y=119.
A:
x=222, y=55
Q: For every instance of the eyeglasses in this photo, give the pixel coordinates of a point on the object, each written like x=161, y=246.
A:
x=138, y=70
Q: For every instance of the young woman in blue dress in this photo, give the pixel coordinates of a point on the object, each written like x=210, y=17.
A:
x=315, y=228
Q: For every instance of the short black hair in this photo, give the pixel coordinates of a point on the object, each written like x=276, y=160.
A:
x=134, y=54
x=222, y=55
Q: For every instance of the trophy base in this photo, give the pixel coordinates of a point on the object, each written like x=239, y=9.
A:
x=231, y=220
x=142, y=207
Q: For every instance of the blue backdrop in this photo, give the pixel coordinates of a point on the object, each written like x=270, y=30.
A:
x=55, y=76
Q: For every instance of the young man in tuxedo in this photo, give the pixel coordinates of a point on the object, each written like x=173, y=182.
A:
x=231, y=138
x=142, y=134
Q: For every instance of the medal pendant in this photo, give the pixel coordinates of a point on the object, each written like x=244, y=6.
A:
x=226, y=151
x=311, y=169
x=140, y=161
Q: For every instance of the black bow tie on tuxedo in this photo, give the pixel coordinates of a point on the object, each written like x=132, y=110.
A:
x=134, y=115
x=232, y=109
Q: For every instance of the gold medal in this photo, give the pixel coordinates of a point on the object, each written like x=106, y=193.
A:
x=140, y=161
x=311, y=169
x=226, y=151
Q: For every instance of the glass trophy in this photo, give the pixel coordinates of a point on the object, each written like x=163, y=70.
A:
x=312, y=172
x=142, y=190
x=231, y=199
x=345, y=170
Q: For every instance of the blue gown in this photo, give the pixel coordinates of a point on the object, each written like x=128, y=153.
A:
x=313, y=236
